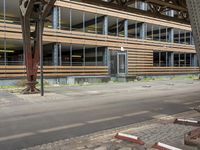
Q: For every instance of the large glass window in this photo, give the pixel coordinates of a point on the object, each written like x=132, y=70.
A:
x=77, y=55
x=65, y=18
x=94, y=23
x=12, y=14
x=182, y=37
x=176, y=60
x=132, y=29
x=99, y=25
x=90, y=56
x=163, y=59
x=114, y=25
x=156, y=33
x=101, y=57
x=188, y=38
x=90, y=22
x=156, y=59
x=77, y=21
x=188, y=59
x=176, y=36
x=2, y=52
x=66, y=54
x=121, y=27
x=48, y=54
x=149, y=32
x=182, y=60
x=2, y=9
x=163, y=34
x=11, y=52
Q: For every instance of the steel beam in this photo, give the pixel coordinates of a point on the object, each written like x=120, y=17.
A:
x=194, y=13
x=33, y=13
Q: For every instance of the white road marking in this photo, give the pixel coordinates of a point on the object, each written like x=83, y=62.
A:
x=118, y=117
x=61, y=128
x=17, y=136
x=104, y=119
x=136, y=113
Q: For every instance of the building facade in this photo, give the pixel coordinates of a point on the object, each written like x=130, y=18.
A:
x=88, y=40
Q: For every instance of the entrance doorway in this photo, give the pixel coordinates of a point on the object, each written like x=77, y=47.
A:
x=118, y=63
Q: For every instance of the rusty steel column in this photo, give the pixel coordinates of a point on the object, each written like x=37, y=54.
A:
x=33, y=14
x=194, y=14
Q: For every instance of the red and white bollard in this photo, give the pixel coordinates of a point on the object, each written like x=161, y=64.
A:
x=187, y=122
x=129, y=138
x=162, y=146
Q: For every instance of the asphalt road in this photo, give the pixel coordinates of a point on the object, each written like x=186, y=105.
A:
x=67, y=112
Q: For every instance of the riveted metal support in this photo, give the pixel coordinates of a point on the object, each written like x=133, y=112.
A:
x=194, y=14
x=33, y=14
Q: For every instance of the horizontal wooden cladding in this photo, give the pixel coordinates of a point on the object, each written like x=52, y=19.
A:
x=55, y=71
x=121, y=14
x=162, y=70
x=74, y=37
x=139, y=62
x=138, y=54
x=140, y=58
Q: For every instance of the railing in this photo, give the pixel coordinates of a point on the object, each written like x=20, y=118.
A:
x=54, y=71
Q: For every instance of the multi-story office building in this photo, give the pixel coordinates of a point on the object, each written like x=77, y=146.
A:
x=88, y=40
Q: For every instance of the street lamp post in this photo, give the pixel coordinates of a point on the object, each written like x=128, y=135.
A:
x=41, y=55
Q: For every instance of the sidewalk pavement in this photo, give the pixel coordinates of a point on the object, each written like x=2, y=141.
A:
x=160, y=129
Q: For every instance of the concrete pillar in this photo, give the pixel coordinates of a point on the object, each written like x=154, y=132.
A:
x=55, y=54
x=143, y=30
x=105, y=25
x=171, y=30
x=56, y=18
x=106, y=57
x=171, y=35
x=171, y=59
x=126, y=28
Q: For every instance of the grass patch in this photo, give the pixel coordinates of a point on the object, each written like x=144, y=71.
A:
x=9, y=87
x=189, y=77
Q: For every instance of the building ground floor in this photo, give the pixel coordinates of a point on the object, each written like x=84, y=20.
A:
x=78, y=62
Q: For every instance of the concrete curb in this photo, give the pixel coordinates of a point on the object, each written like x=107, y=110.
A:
x=129, y=138
x=187, y=122
x=162, y=146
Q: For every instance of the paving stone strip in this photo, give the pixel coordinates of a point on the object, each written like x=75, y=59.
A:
x=156, y=130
